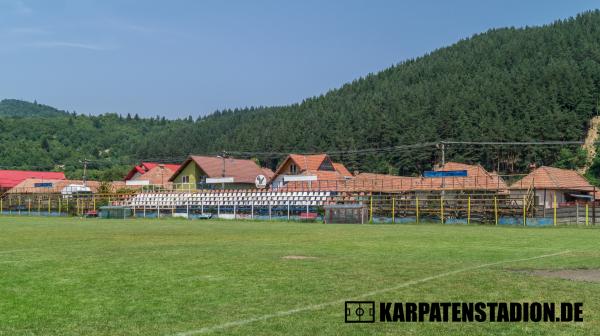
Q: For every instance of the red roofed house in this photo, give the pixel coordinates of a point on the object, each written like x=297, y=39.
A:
x=327, y=172
x=10, y=178
x=567, y=185
x=153, y=173
x=195, y=170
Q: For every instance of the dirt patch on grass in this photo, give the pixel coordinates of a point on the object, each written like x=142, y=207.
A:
x=297, y=257
x=589, y=275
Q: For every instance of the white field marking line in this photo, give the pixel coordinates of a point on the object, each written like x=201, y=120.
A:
x=375, y=292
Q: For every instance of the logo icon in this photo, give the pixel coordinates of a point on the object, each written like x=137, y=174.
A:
x=260, y=181
x=360, y=311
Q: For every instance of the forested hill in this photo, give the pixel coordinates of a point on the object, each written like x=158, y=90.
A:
x=536, y=83
x=506, y=84
x=18, y=108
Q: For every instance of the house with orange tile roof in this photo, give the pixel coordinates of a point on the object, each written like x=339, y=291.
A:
x=546, y=182
x=195, y=171
x=325, y=173
x=151, y=173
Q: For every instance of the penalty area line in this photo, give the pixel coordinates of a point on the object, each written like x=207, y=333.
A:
x=371, y=293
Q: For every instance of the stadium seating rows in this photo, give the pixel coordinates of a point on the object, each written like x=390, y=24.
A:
x=241, y=198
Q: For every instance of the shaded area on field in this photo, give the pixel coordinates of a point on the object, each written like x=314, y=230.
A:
x=589, y=275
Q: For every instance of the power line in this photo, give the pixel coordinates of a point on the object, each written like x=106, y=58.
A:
x=515, y=143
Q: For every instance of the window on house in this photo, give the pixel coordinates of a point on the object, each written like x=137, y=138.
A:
x=185, y=179
x=326, y=165
x=293, y=169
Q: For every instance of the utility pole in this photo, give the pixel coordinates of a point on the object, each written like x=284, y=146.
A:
x=85, y=163
x=223, y=155
x=443, y=148
x=162, y=175
x=443, y=145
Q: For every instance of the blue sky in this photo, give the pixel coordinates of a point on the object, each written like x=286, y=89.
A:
x=184, y=57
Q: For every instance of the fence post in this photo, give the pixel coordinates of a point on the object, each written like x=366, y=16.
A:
x=288, y=210
x=29, y=206
x=554, y=207
x=39, y=206
x=417, y=208
x=49, y=200
x=252, y=210
x=393, y=209
x=371, y=211
x=576, y=212
x=1, y=207
x=270, y=216
x=496, y=209
x=442, y=209
x=469, y=210
x=587, y=219
x=59, y=206
x=524, y=211
x=594, y=209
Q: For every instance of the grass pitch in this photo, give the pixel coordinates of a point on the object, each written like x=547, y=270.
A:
x=175, y=277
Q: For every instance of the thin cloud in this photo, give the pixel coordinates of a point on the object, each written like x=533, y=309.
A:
x=64, y=44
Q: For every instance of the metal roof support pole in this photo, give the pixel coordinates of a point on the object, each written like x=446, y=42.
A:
x=594, y=208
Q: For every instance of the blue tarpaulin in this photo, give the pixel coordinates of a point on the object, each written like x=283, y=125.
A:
x=445, y=173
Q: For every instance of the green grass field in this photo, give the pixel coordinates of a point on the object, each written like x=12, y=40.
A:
x=178, y=277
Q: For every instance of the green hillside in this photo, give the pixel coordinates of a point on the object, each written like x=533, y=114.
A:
x=19, y=108
x=535, y=83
